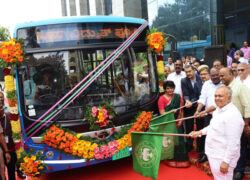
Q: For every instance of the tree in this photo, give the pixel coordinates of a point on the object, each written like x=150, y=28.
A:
x=4, y=34
x=184, y=19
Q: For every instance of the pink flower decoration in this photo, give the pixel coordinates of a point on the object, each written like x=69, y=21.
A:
x=96, y=150
x=97, y=156
x=110, y=117
x=101, y=156
x=104, y=148
x=94, y=111
x=111, y=144
x=93, y=114
x=115, y=142
x=113, y=153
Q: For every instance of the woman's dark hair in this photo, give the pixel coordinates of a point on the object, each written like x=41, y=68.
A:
x=168, y=84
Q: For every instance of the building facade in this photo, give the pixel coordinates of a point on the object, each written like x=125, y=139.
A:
x=198, y=24
x=194, y=24
x=129, y=8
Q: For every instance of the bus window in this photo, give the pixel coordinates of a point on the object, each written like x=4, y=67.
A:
x=128, y=82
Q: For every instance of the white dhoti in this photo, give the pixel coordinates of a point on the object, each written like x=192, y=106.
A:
x=215, y=168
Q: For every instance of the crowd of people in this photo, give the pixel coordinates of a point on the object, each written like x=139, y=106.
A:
x=217, y=100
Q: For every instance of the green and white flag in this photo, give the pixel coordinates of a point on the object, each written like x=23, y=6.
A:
x=147, y=153
x=162, y=118
x=167, y=151
x=168, y=142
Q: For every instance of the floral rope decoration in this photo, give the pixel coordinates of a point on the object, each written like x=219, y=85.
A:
x=100, y=117
x=12, y=54
x=76, y=145
x=160, y=68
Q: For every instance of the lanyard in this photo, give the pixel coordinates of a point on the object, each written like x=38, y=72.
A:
x=5, y=122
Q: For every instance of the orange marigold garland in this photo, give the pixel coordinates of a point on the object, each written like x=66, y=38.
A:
x=11, y=52
x=156, y=41
x=71, y=143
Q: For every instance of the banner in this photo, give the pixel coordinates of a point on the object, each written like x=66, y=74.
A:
x=147, y=153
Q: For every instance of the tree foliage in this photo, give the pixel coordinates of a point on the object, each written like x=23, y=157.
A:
x=4, y=34
x=184, y=19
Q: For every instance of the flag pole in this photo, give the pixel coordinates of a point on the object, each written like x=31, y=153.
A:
x=182, y=107
x=165, y=134
x=173, y=110
x=181, y=119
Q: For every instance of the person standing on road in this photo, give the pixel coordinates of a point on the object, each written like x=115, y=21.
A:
x=206, y=99
x=223, y=135
x=5, y=152
x=240, y=98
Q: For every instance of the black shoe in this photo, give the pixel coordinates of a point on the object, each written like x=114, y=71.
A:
x=238, y=176
x=21, y=175
x=202, y=159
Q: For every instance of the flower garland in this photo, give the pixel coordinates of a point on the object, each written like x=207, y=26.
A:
x=12, y=54
x=72, y=143
x=31, y=164
x=160, y=68
x=156, y=41
x=100, y=117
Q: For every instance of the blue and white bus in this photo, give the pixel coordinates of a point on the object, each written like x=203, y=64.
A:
x=60, y=53
x=193, y=48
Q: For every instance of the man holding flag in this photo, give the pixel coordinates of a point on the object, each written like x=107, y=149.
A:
x=222, y=144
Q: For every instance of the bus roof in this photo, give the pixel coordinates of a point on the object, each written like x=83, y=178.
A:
x=78, y=19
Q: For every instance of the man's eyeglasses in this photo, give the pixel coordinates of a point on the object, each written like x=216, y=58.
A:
x=215, y=75
x=241, y=70
x=203, y=74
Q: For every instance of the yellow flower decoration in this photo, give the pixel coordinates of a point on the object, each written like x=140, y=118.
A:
x=78, y=135
x=9, y=83
x=15, y=125
x=13, y=110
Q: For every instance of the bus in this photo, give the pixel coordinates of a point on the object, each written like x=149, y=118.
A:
x=193, y=48
x=60, y=53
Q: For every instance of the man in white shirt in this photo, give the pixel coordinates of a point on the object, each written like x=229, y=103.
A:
x=239, y=55
x=207, y=93
x=234, y=66
x=223, y=136
x=244, y=76
x=240, y=98
x=177, y=76
x=170, y=64
x=207, y=99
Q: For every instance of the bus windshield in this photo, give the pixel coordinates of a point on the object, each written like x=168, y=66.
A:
x=48, y=76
